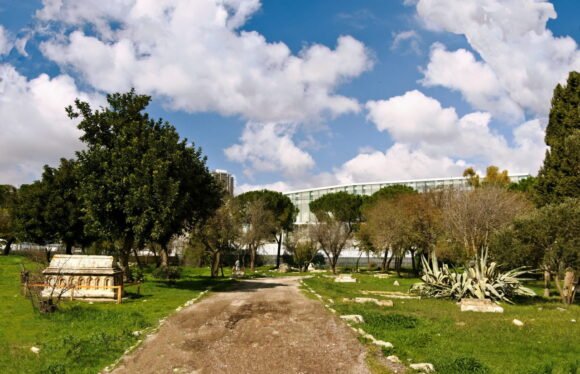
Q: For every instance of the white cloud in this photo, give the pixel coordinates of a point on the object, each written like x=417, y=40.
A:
x=432, y=141
x=512, y=39
x=276, y=186
x=269, y=147
x=409, y=37
x=35, y=129
x=412, y=115
x=193, y=54
x=399, y=162
x=6, y=43
x=459, y=71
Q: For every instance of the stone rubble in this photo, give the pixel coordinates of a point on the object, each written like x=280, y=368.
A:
x=356, y=318
x=517, y=322
x=479, y=305
x=424, y=367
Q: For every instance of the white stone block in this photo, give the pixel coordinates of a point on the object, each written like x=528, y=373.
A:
x=480, y=305
x=356, y=318
x=423, y=367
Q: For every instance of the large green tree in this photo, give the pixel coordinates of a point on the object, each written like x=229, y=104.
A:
x=338, y=215
x=7, y=227
x=63, y=210
x=548, y=237
x=31, y=221
x=282, y=209
x=139, y=182
x=559, y=177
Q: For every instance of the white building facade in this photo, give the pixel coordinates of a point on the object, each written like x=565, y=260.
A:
x=302, y=198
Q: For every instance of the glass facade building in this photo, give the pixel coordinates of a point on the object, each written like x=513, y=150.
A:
x=302, y=198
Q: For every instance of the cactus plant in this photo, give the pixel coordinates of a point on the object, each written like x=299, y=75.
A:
x=482, y=280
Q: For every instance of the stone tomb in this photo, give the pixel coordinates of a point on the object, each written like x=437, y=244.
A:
x=83, y=277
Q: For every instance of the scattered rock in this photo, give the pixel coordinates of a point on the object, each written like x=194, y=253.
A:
x=394, y=359
x=573, y=320
x=390, y=294
x=383, y=344
x=178, y=309
x=136, y=333
x=480, y=305
x=356, y=318
x=561, y=309
x=460, y=324
x=35, y=350
x=396, y=283
x=382, y=276
x=517, y=322
x=283, y=268
x=331, y=301
x=362, y=300
x=423, y=367
x=345, y=278
x=311, y=267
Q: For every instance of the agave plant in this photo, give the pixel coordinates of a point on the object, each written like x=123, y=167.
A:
x=480, y=281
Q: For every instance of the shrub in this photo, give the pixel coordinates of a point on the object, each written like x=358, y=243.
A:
x=480, y=281
x=169, y=273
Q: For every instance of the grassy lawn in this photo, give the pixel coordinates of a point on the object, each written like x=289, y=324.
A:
x=436, y=331
x=82, y=337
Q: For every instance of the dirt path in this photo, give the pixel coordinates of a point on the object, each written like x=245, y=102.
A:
x=262, y=326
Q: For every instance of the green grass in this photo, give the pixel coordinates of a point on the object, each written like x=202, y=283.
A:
x=82, y=337
x=436, y=331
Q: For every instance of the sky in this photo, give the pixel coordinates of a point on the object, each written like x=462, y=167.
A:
x=294, y=94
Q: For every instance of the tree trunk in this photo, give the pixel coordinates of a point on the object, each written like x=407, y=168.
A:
x=369, y=260
x=389, y=263
x=384, y=264
x=252, y=258
x=215, y=264
x=398, y=261
x=279, y=241
x=69, y=247
x=333, y=263
x=125, y=252
x=164, y=256
x=8, y=246
x=136, y=254
x=357, y=262
x=546, y=283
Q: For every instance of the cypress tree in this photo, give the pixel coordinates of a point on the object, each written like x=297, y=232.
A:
x=559, y=177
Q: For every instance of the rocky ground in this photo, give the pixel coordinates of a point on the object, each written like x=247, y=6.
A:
x=261, y=326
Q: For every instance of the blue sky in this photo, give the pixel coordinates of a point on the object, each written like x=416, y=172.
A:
x=291, y=94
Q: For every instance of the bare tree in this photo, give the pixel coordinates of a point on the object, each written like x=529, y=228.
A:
x=259, y=223
x=471, y=217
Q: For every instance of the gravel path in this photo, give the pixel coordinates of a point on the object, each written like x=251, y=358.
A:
x=261, y=326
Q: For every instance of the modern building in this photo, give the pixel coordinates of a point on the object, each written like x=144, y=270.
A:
x=226, y=180
x=302, y=198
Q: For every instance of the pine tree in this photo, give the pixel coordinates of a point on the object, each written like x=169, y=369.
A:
x=559, y=177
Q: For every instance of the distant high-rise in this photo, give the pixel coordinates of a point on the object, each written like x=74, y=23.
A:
x=226, y=180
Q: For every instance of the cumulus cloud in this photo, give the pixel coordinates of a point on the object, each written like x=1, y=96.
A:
x=269, y=147
x=475, y=80
x=522, y=58
x=276, y=186
x=35, y=129
x=399, y=162
x=6, y=43
x=433, y=141
x=410, y=38
x=194, y=55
